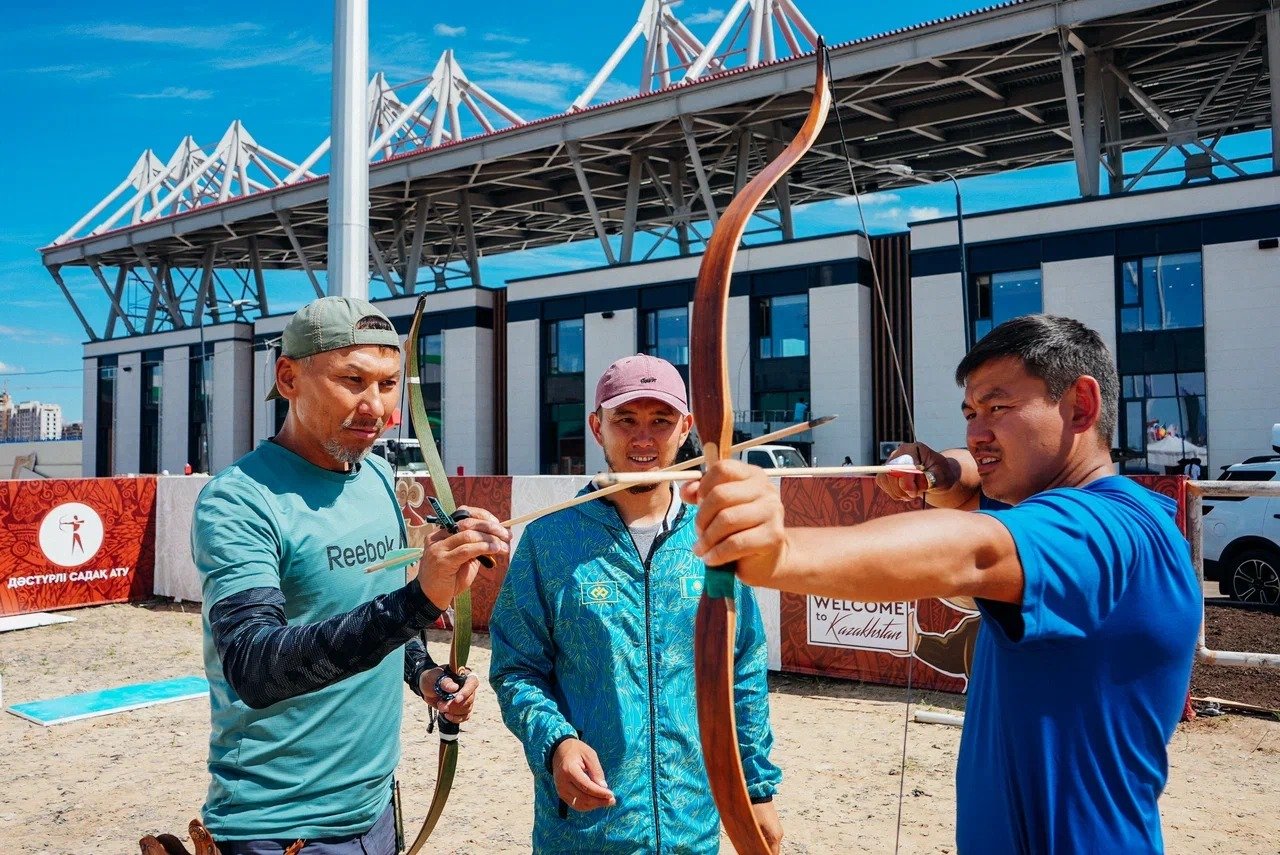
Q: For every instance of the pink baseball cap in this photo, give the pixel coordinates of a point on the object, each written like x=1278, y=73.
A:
x=641, y=376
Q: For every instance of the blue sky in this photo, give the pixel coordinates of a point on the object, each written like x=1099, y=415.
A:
x=86, y=87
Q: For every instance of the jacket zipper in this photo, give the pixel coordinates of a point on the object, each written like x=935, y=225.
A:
x=648, y=655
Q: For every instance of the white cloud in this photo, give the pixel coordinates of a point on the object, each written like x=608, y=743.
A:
x=402, y=56
x=548, y=84
x=711, y=16
x=75, y=72
x=612, y=90
x=32, y=334
x=180, y=93
x=552, y=95
x=928, y=212
x=869, y=199
x=502, y=65
x=305, y=53
x=448, y=31
x=229, y=47
x=188, y=37
x=6, y=368
x=503, y=37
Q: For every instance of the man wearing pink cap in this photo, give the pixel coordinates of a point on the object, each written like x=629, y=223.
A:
x=593, y=649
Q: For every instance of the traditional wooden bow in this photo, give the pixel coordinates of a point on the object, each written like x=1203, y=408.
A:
x=716, y=629
x=461, y=646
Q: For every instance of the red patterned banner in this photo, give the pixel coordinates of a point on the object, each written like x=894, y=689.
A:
x=493, y=493
x=883, y=643
x=69, y=543
x=872, y=642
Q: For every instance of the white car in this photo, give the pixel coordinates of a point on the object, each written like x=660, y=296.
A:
x=1241, y=536
x=404, y=455
x=774, y=457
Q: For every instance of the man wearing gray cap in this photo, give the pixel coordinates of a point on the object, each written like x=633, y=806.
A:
x=592, y=640
x=303, y=647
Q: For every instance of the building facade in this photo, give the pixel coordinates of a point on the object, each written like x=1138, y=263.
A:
x=1181, y=282
x=798, y=333
x=32, y=421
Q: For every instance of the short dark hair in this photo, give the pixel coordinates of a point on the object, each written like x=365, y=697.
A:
x=373, y=322
x=1059, y=351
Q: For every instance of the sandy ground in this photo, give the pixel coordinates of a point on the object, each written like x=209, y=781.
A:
x=99, y=784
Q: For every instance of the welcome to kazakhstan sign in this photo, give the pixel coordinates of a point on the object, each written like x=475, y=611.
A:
x=849, y=624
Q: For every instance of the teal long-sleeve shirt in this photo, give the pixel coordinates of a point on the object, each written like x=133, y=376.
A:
x=593, y=640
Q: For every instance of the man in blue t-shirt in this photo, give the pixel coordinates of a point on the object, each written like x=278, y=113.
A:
x=1091, y=606
x=306, y=651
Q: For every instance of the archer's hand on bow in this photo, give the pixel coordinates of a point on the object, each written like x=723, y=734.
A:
x=948, y=479
x=459, y=696
x=450, y=562
x=740, y=520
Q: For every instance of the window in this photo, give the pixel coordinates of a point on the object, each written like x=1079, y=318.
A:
x=149, y=418
x=1246, y=475
x=1163, y=422
x=999, y=297
x=665, y=334
x=1162, y=292
x=784, y=326
x=199, y=396
x=431, y=371
x=563, y=398
x=565, y=347
x=104, y=441
x=780, y=365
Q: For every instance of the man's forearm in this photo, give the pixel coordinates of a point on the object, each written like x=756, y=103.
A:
x=903, y=557
x=266, y=661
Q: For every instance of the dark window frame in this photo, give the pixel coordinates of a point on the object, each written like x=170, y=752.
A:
x=561, y=390
x=105, y=417
x=978, y=313
x=150, y=411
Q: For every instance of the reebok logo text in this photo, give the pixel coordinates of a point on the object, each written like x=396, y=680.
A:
x=342, y=558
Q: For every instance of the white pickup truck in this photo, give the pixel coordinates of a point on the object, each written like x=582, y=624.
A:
x=773, y=457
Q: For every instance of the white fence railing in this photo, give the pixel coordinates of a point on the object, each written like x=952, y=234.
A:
x=1196, y=491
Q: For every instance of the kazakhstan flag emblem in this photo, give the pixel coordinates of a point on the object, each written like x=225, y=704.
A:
x=691, y=587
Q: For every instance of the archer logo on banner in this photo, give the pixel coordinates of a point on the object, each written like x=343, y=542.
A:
x=71, y=534
x=860, y=626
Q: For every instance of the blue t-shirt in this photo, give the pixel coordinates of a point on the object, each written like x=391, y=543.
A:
x=1075, y=695
x=318, y=765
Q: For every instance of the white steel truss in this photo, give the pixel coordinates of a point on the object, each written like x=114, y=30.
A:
x=751, y=31
x=238, y=166
x=669, y=46
x=433, y=117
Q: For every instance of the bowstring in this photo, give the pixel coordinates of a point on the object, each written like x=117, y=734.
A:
x=911, y=427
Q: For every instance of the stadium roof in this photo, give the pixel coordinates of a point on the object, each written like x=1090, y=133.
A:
x=1001, y=88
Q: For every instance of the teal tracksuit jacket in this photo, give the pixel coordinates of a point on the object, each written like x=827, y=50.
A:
x=593, y=640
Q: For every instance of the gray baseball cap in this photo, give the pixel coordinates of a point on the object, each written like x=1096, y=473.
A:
x=330, y=323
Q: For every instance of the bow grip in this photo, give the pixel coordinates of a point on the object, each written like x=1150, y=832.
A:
x=449, y=730
x=451, y=524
